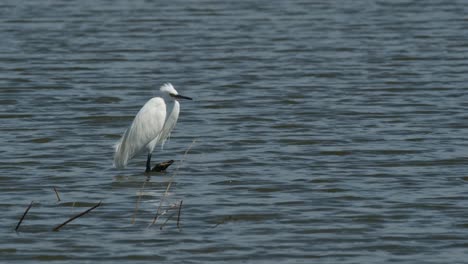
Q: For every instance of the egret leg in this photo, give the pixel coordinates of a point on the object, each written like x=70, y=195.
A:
x=148, y=163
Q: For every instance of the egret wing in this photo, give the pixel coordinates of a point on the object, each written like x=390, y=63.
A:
x=146, y=126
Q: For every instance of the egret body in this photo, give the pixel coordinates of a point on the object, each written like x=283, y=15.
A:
x=152, y=126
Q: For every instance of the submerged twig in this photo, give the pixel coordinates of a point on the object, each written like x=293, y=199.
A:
x=24, y=215
x=76, y=216
x=224, y=220
x=178, y=215
x=57, y=194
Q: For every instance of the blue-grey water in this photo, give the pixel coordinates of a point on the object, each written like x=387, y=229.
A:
x=320, y=131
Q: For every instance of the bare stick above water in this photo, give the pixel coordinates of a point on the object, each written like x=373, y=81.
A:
x=56, y=193
x=24, y=215
x=76, y=216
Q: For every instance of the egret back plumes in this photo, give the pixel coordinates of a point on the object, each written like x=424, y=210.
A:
x=151, y=126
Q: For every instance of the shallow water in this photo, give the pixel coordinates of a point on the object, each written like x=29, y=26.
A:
x=320, y=132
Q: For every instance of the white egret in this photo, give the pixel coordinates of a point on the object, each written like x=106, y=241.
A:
x=151, y=126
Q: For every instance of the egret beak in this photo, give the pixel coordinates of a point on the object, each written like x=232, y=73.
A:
x=178, y=96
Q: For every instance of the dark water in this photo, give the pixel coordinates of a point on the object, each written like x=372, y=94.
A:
x=321, y=131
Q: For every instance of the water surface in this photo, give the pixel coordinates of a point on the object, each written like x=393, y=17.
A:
x=320, y=132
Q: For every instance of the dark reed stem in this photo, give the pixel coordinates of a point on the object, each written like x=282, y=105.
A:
x=178, y=215
x=24, y=215
x=57, y=194
x=76, y=216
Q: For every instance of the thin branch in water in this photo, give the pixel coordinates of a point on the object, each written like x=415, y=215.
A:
x=160, y=204
x=76, y=216
x=57, y=194
x=24, y=215
x=178, y=215
x=183, y=158
x=156, y=217
x=163, y=224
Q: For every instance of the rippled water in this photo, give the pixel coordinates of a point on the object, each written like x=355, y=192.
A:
x=321, y=131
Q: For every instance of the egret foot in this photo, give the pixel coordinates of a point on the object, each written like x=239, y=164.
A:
x=160, y=167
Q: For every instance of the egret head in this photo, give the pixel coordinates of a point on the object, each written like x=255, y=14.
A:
x=170, y=90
